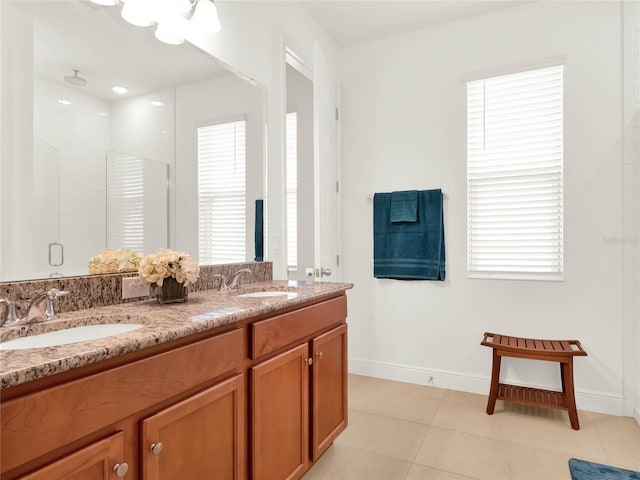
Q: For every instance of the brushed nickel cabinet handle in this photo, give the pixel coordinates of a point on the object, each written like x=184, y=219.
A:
x=156, y=448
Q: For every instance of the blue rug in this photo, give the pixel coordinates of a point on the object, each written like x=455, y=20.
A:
x=583, y=470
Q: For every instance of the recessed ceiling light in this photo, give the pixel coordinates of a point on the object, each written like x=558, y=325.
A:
x=119, y=90
x=157, y=103
x=64, y=102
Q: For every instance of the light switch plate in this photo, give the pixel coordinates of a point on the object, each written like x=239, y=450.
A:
x=132, y=287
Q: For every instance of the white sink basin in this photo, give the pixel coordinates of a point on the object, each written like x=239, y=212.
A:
x=264, y=294
x=69, y=335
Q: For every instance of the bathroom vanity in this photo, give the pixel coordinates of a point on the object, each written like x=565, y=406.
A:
x=226, y=386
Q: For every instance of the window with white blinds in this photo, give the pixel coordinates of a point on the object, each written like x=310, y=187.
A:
x=222, y=193
x=125, y=202
x=292, y=191
x=514, y=175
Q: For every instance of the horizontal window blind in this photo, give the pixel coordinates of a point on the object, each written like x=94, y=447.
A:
x=222, y=193
x=292, y=191
x=514, y=175
x=125, y=203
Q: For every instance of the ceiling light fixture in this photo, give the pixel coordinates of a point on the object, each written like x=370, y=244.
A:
x=172, y=17
x=138, y=12
x=119, y=89
x=205, y=17
x=64, y=102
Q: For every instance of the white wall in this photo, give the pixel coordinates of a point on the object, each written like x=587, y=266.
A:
x=17, y=142
x=213, y=101
x=631, y=239
x=404, y=127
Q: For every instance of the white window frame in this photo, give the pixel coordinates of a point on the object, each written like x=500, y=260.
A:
x=524, y=227
x=237, y=194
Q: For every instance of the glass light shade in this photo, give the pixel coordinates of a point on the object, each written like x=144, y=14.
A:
x=172, y=29
x=138, y=12
x=206, y=17
x=182, y=6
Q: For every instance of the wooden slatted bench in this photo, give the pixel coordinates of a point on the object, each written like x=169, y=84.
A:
x=561, y=351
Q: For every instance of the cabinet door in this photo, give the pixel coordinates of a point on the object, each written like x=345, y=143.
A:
x=280, y=413
x=94, y=462
x=201, y=437
x=329, y=396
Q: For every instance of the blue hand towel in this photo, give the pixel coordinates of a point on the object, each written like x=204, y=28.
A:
x=409, y=251
x=258, y=234
x=404, y=207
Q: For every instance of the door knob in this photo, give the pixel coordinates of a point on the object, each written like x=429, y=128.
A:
x=319, y=355
x=323, y=272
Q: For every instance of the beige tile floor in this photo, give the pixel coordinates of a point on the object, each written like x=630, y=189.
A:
x=401, y=431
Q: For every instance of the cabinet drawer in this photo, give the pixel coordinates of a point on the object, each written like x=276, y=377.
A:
x=81, y=407
x=274, y=333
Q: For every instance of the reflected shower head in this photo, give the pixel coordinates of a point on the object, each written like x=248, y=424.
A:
x=75, y=79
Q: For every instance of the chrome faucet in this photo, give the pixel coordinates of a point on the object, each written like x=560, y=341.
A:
x=234, y=280
x=10, y=315
x=48, y=297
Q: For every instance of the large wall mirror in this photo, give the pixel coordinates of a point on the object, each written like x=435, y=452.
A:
x=175, y=161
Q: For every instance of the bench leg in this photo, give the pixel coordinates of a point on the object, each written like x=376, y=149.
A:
x=569, y=394
x=495, y=380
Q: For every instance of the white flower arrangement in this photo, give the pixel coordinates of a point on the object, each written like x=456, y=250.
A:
x=165, y=263
x=114, y=261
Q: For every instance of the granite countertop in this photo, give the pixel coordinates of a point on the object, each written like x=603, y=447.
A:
x=204, y=311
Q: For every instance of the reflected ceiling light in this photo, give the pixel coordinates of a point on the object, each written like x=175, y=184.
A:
x=205, y=16
x=105, y=3
x=170, y=16
x=64, y=102
x=138, y=12
x=172, y=29
x=157, y=103
x=119, y=89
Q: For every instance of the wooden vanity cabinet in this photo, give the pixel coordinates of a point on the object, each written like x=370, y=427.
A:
x=200, y=437
x=102, y=460
x=183, y=412
x=299, y=397
x=329, y=390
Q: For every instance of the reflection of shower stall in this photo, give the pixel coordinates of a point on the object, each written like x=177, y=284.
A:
x=137, y=203
x=48, y=258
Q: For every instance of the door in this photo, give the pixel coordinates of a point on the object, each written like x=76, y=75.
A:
x=327, y=234
x=280, y=416
x=201, y=437
x=102, y=460
x=329, y=395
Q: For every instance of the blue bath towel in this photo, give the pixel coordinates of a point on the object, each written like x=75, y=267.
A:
x=404, y=207
x=409, y=251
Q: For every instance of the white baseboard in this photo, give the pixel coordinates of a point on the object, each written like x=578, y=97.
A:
x=592, y=401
